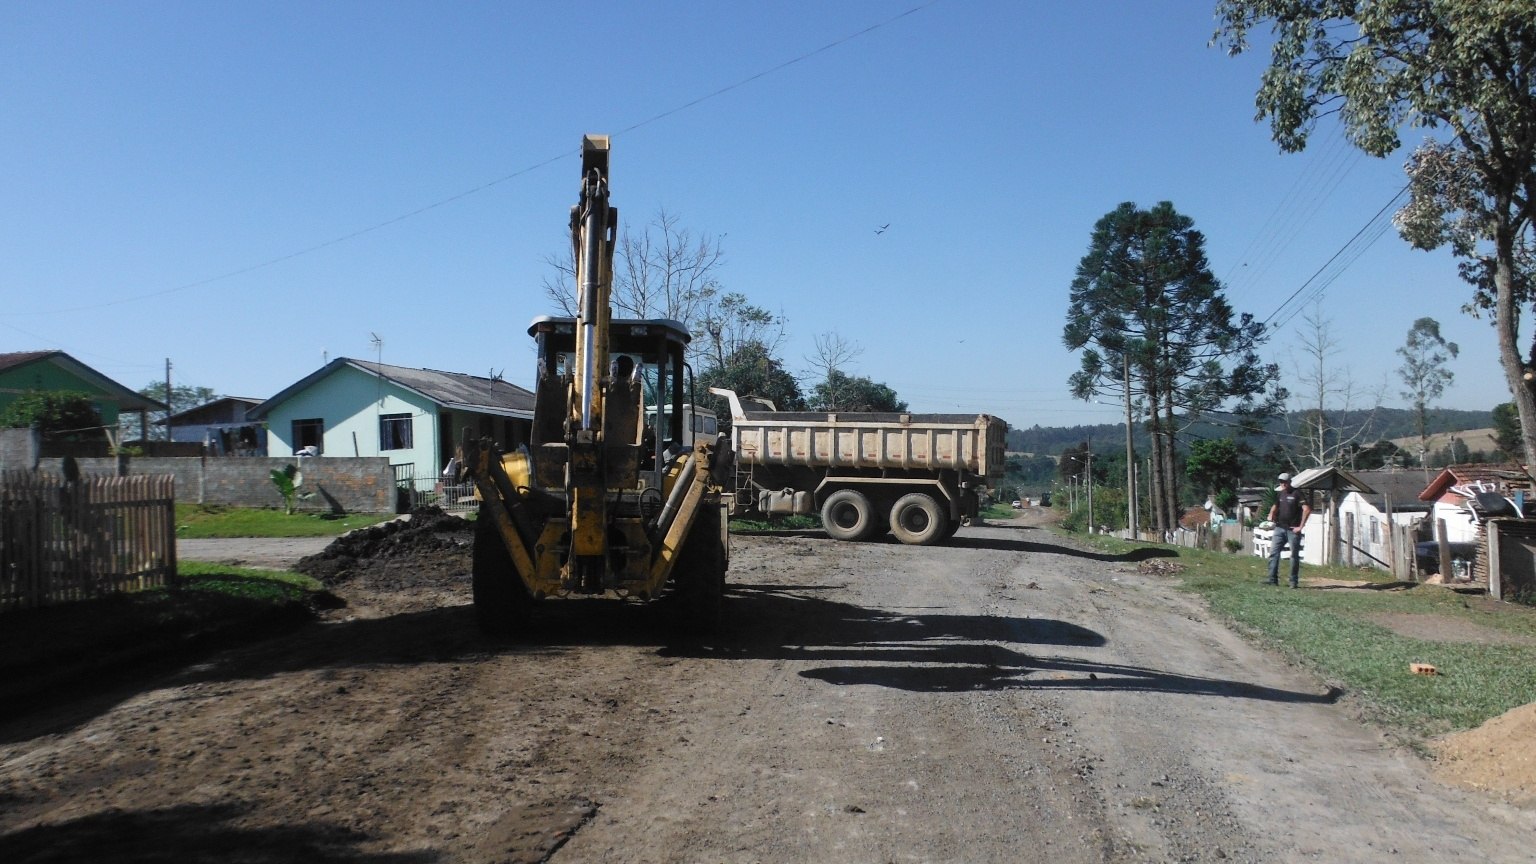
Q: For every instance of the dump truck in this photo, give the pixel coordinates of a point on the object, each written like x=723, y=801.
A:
x=614, y=494
x=918, y=476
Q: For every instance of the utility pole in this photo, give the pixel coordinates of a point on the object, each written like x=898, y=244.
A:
x=168, y=409
x=1130, y=456
x=1090, y=486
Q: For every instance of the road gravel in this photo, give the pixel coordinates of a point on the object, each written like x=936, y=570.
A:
x=1010, y=697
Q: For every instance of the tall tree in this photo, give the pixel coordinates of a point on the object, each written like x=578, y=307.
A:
x=1214, y=466
x=1465, y=66
x=1506, y=430
x=182, y=397
x=842, y=392
x=1156, y=330
x=1425, y=355
x=729, y=324
x=752, y=370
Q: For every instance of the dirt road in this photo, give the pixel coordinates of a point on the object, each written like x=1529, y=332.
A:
x=1008, y=698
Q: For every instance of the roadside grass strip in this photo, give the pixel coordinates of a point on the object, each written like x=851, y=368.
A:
x=198, y=521
x=1335, y=632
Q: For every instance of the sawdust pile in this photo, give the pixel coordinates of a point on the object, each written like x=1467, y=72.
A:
x=1495, y=757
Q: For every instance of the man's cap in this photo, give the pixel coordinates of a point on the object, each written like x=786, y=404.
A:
x=1285, y=478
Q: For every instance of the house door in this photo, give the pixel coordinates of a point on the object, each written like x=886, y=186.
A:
x=445, y=442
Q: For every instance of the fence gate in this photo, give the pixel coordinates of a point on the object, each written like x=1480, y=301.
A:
x=63, y=541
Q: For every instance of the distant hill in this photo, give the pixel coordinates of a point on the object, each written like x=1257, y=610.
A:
x=1477, y=441
x=1393, y=424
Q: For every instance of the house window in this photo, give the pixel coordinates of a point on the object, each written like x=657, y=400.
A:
x=309, y=433
x=1375, y=531
x=395, y=432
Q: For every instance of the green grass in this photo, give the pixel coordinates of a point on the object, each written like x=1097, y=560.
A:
x=211, y=597
x=998, y=512
x=1334, y=632
x=202, y=521
x=779, y=523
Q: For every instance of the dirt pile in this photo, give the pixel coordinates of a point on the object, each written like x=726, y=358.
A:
x=1495, y=757
x=425, y=546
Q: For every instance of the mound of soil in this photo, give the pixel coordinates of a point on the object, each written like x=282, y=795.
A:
x=425, y=546
x=1495, y=757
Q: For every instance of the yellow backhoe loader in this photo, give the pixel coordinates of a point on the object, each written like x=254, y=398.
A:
x=607, y=498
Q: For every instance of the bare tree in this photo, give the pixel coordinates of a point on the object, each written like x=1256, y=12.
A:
x=833, y=352
x=1332, y=424
x=663, y=271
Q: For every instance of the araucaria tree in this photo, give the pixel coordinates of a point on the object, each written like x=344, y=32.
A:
x=1467, y=67
x=1156, y=330
x=1424, y=374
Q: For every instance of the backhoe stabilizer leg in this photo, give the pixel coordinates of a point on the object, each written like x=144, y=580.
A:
x=480, y=461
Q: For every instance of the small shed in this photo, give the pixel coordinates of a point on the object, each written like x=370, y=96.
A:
x=1334, y=483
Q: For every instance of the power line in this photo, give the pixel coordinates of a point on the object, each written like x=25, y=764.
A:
x=484, y=186
x=1348, y=248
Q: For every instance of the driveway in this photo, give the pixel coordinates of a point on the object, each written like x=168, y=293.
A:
x=276, y=553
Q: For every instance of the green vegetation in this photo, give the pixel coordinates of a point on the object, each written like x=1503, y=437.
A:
x=67, y=414
x=780, y=523
x=200, y=521
x=998, y=511
x=1340, y=634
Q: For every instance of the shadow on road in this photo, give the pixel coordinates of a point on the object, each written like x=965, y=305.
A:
x=841, y=643
x=1006, y=545
x=193, y=834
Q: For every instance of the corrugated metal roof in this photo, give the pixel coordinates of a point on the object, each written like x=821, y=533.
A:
x=453, y=390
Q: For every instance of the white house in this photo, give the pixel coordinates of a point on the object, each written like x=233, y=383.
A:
x=221, y=427
x=1365, y=516
x=413, y=416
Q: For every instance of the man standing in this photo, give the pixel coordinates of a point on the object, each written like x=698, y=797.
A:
x=1289, y=514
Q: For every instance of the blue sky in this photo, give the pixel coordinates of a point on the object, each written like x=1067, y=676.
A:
x=250, y=188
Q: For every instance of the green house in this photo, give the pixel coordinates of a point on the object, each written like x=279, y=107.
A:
x=22, y=372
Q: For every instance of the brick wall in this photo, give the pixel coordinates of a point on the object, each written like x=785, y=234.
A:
x=342, y=483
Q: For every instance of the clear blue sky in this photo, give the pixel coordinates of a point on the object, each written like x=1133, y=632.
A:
x=158, y=156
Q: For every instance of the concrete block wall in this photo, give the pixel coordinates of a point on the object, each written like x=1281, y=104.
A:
x=18, y=449
x=343, y=483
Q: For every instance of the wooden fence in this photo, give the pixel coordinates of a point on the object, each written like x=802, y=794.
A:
x=63, y=541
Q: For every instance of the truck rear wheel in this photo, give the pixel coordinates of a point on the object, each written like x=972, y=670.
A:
x=698, y=580
x=918, y=520
x=848, y=514
x=502, y=603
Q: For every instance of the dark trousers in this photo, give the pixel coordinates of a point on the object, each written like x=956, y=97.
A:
x=1278, y=540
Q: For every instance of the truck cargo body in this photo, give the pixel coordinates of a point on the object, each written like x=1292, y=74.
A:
x=916, y=475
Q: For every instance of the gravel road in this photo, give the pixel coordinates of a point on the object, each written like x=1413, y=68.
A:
x=1007, y=698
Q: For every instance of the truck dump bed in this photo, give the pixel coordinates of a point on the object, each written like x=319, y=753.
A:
x=973, y=443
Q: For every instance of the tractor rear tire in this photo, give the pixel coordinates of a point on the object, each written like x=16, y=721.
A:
x=502, y=602
x=918, y=520
x=698, y=579
x=848, y=514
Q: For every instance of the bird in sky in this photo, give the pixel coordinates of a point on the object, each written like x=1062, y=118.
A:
x=881, y=229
